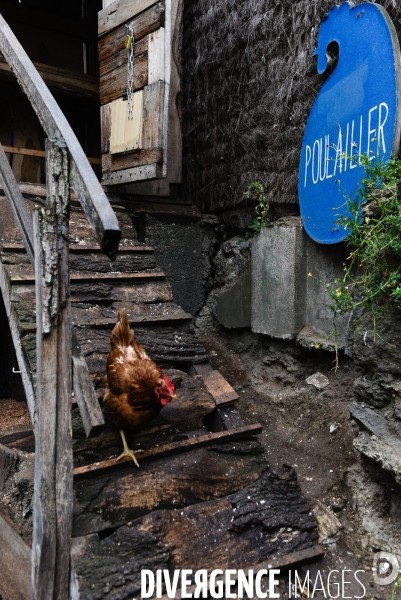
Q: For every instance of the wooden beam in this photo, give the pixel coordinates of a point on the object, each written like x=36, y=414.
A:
x=17, y=203
x=90, y=277
x=89, y=408
x=81, y=176
x=52, y=512
x=120, y=11
x=142, y=24
x=143, y=173
x=61, y=80
x=41, y=153
x=169, y=450
x=220, y=389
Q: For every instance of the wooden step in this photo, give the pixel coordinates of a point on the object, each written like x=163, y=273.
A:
x=19, y=276
x=192, y=443
x=84, y=248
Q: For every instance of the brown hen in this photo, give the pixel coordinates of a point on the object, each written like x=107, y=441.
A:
x=135, y=387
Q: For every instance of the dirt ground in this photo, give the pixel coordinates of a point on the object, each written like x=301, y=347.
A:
x=311, y=430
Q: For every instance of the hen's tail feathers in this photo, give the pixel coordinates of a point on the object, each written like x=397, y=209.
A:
x=122, y=335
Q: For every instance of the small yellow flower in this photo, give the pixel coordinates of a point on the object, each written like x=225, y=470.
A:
x=317, y=346
x=367, y=220
x=310, y=274
x=339, y=292
x=354, y=144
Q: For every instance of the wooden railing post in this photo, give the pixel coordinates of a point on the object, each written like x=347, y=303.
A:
x=53, y=457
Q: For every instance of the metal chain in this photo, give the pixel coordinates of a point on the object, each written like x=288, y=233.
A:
x=129, y=43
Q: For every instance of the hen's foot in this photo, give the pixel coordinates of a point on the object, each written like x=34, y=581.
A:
x=127, y=451
x=131, y=453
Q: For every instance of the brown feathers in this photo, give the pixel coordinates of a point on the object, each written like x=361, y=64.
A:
x=135, y=387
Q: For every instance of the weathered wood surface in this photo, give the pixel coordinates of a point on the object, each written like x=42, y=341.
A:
x=220, y=389
x=142, y=24
x=21, y=274
x=114, y=499
x=118, y=12
x=136, y=158
x=91, y=413
x=142, y=173
x=40, y=153
x=169, y=449
x=153, y=130
x=60, y=80
x=53, y=454
x=17, y=203
x=120, y=58
x=82, y=177
x=235, y=530
x=113, y=83
x=282, y=563
x=15, y=564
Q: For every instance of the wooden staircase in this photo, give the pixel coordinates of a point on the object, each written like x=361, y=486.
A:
x=205, y=496
x=99, y=288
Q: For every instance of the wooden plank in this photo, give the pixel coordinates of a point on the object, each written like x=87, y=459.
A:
x=143, y=173
x=60, y=80
x=112, y=277
x=105, y=317
x=105, y=127
x=15, y=433
x=53, y=455
x=41, y=153
x=23, y=363
x=142, y=24
x=116, y=13
x=268, y=518
x=156, y=53
x=220, y=389
x=89, y=408
x=126, y=133
x=170, y=449
x=120, y=58
x=81, y=249
x=15, y=564
x=286, y=562
x=18, y=205
x=133, y=159
x=114, y=83
x=201, y=475
x=81, y=175
x=153, y=113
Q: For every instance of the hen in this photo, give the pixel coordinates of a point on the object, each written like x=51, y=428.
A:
x=135, y=387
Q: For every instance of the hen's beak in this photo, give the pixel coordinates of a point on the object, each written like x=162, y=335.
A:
x=174, y=397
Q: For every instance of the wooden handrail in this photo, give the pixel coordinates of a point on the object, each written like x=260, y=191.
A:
x=81, y=176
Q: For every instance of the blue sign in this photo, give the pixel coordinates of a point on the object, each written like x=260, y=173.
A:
x=355, y=113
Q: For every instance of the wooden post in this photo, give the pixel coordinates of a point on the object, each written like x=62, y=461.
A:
x=53, y=458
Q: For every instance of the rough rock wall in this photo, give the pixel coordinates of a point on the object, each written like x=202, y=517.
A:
x=249, y=82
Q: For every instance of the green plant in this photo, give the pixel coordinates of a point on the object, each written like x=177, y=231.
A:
x=397, y=585
x=372, y=275
x=256, y=192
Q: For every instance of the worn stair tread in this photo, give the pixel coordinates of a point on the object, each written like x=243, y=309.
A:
x=114, y=498
x=284, y=562
x=25, y=275
x=85, y=248
x=170, y=449
x=97, y=316
x=137, y=291
x=267, y=518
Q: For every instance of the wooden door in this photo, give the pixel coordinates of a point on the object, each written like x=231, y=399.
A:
x=142, y=153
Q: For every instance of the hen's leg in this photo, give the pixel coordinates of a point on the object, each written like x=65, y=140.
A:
x=127, y=451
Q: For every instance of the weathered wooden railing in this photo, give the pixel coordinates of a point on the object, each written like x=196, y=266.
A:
x=59, y=362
